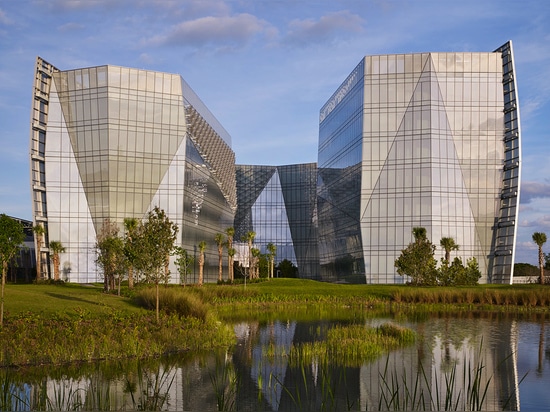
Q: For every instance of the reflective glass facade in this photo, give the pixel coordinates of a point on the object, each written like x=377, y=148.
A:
x=278, y=203
x=427, y=140
x=110, y=143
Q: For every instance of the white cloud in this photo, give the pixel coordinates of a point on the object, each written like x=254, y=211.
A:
x=329, y=26
x=234, y=30
x=534, y=190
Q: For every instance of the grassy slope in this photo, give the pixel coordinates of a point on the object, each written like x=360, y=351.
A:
x=69, y=299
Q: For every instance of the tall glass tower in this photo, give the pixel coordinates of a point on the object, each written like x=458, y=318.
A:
x=428, y=139
x=109, y=143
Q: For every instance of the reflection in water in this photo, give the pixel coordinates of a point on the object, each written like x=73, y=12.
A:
x=257, y=374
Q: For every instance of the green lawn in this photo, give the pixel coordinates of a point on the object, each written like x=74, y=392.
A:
x=48, y=300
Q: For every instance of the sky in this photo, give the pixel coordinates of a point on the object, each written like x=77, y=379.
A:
x=266, y=67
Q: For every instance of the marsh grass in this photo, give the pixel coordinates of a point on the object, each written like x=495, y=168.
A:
x=226, y=383
x=173, y=300
x=34, y=340
x=352, y=345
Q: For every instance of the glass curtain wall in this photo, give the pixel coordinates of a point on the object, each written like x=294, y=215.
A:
x=425, y=133
x=278, y=204
x=115, y=146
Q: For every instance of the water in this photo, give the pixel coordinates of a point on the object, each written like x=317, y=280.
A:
x=511, y=352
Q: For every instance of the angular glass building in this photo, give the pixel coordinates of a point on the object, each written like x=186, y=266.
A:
x=111, y=143
x=278, y=203
x=428, y=139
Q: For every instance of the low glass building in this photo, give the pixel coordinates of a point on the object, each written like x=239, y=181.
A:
x=278, y=203
x=430, y=140
x=111, y=143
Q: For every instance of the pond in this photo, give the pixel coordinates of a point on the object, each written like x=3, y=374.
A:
x=459, y=361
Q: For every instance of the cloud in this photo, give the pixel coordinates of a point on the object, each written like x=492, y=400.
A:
x=534, y=190
x=303, y=32
x=211, y=30
x=4, y=18
x=70, y=27
x=74, y=5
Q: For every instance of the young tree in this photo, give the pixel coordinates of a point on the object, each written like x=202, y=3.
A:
x=219, y=242
x=11, y=238
x=131, y=240
x=448, y=244
x=39, y=232
x=56, y=248
x=110, y=256
x=202, y=248
x=417, y=261
x=540, y=239
x=272, y=251
x=157, y=235
x=183, y=262
x=230, y=232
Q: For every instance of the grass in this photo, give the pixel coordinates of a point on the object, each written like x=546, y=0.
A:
x=53, y=324
x=352, y=345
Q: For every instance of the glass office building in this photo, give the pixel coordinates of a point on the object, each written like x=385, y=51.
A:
x=110, y=143
x=278, y=203
x=428, y=139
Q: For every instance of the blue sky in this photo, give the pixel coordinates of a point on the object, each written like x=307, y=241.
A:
x=265, y=68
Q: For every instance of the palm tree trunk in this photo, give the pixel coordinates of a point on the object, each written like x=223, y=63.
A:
x=541, y=265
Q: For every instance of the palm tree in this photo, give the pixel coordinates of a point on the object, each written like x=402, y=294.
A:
x=255, y=263
x=130, y=225
x=56, y=248
x=540, y=239
x=448, y=244
x=230, y=232
x=39, y=231
x=202, y=248
x=219, y=242
x=249, y=238
x=272, y=249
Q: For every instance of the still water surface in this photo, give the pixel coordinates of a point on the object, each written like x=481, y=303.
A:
x=511, y=352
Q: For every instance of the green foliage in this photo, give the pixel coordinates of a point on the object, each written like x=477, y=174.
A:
x=287, y=269
x=456, y=274
x=184, y=262
x=11, y=238
x=110, y=254
x=156, y=236
x=526, y=269
x=417, y=261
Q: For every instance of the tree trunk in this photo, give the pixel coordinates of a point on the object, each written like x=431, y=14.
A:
x=39, y=258
x=220, y=265
x=541, y=265
x=4, y=271
x=157, y=303
x=130, y=277
x=55, y=267
x=201, y=268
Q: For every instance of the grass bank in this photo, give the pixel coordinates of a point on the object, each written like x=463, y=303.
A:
x=54, y=324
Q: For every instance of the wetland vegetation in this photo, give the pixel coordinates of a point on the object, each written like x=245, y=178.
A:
x=64, y=323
